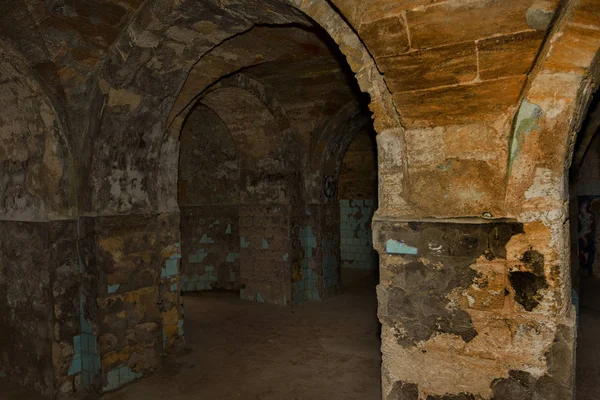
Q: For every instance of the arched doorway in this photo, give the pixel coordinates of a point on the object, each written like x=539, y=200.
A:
x=584, y=184
x=260, y=149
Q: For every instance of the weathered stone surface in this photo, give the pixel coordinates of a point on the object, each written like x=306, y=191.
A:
x=96, y=81
x=39, y=296
x=576, y=50
x=477, y=267
x=431, y=261
x=508, y=55
x=445, y=23
x=138, y=315
x=461, y=396
x=426, y=69
x=586, y=13
x=403, y=391
x=460, y=104
x=385, y=37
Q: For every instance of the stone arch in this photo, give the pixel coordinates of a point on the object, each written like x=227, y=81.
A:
x=551, y=112
x=553, y=106
x=587, y=135
x=329, y=146
x=167, y=174
x=143, y=72
x=38, y=183
x=207, y=155
x=552, y=109
x=38, y=196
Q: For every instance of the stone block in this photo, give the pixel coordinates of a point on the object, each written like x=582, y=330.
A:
x=444, y=23
x=508, y=55
x=386, y=37
x=424, y=69
x=574, y=51
x=460, y=104
x=587, y=13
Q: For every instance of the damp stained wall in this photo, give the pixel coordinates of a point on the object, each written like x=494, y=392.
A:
x=357, y=191
x=245, y=224
x=112, y=70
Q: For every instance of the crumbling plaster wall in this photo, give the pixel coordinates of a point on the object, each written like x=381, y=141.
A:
x=271, y=151
x=39, y=277
x=122, y=65
x=256, y=185
x=533, y=266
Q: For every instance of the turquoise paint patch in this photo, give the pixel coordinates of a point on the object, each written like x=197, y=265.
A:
x=259, y=298
x=243, y=243
x=526, y=121
x=77, y=344
x=217, y=222
x=209, y=268
x=399, y=247
x=85, y=358
x=206, y=239
x=286, y=257
x=228, y=229
x=119, y=377
x=76, y=366
x=308, y=212
x=285, y=300
x=356, y=247
x=173, y=287
x=265, y=244
x=308, y=239
x=180, y=327
x=113, y=288
x=445, y=166
x=170, y=269
x=198, y=257
x=112, y=378
x=231, y=257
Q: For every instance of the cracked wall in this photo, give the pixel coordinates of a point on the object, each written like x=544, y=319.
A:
x=476, y=105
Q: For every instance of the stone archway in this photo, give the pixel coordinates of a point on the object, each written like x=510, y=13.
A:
x=137, y=88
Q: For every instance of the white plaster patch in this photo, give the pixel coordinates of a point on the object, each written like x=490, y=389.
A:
x=544, y=185
x=435, y=248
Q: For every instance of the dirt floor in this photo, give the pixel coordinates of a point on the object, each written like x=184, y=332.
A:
x=329, y=350
x=241, y=350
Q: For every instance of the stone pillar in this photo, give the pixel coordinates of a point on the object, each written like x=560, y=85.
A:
x=265, y=262
x=463, y=314
x=210, y=237
x=39, y=300
x=131, y=309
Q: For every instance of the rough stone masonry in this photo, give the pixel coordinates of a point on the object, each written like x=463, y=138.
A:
x=476, y=106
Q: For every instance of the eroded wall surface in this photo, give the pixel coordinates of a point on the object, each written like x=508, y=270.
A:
x=357, y=191
x=476, y=104
x=250, y=218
